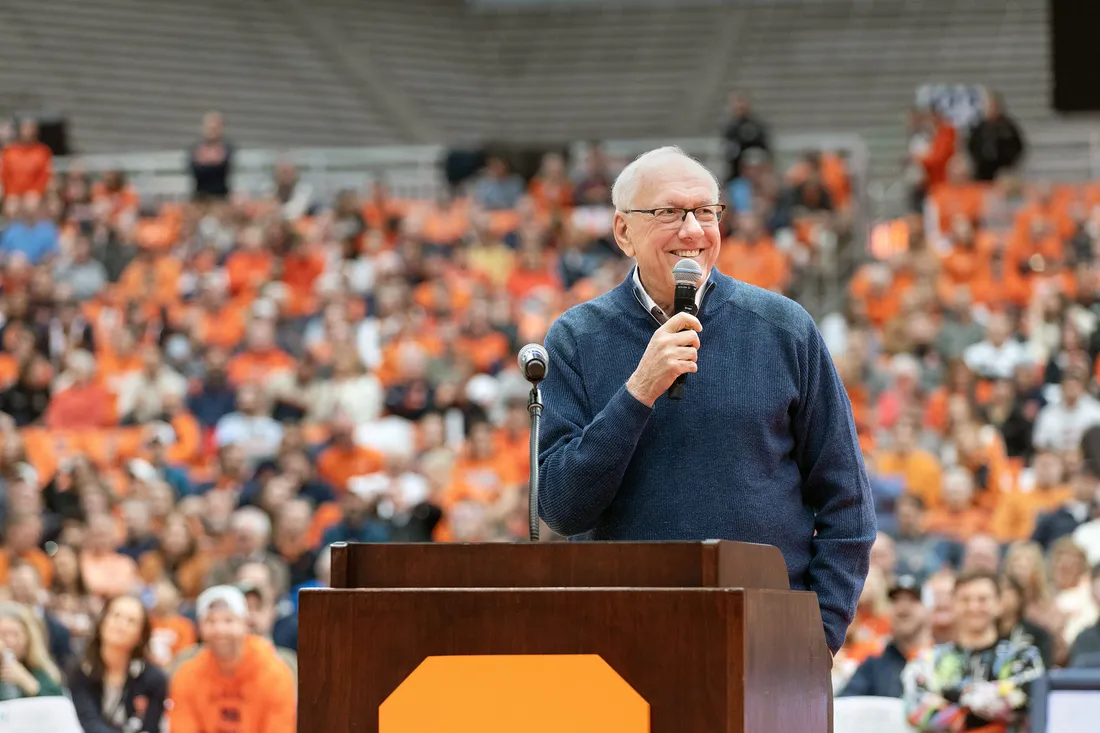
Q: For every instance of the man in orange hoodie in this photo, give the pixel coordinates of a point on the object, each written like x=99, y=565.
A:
x=237, y=683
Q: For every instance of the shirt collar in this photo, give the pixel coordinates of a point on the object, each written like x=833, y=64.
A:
x=651, y=305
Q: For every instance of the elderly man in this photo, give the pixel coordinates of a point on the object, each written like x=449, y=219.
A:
x=762, y=447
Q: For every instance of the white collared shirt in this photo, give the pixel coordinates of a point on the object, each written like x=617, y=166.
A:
x=651, y=305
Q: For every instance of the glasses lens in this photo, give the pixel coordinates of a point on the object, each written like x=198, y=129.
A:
x=709, y=214
x=668, y=216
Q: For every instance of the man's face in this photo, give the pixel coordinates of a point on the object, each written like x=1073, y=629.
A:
x=1085, y=488
x=670, y=182
x=28, y=131
x=907, y=615
x=223, y=631
x=883, y=555
x=261, y=615
x=25, y=587
x=909, y=518
x=977, y=605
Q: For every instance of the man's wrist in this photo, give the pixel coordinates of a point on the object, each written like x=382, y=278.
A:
x=637, y=392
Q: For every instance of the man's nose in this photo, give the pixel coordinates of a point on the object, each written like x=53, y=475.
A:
x=690, y=229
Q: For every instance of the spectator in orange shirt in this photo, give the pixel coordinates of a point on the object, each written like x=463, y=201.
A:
x=343, y=460
x=261, y=358
x=533, y=270
x=106, y=573
x=959, y=517
x=487, y=348
x=171, y=631
x=21, y=539
x=251, y=264
x=551, y=190
x=937, y=148
x=919, y=468
x=79, y=401
x=751, y=256
x=236, y=676
x=1041, y=490
x=27, y=164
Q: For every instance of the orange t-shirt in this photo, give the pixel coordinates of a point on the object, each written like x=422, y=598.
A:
x=250, y=366
x=920, y=470
x=34, y=557
x=337, y=464
x=108, y=575
x=956, y=525
x=760, y=264
x=171, y=635
x=26, y=168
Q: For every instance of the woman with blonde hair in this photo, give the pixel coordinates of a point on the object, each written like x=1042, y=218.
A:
x=1024, y=563
x=27, y=670
x=1069, y=567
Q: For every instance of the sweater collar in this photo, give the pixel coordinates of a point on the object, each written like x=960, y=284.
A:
x=721, y=285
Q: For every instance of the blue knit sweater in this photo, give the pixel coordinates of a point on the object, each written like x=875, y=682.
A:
x=762, y=448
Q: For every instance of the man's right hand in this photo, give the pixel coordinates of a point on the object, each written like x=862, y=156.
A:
x=673, y=350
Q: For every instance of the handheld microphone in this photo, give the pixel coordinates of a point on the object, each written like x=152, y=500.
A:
x=687, y=274
x=533, y=361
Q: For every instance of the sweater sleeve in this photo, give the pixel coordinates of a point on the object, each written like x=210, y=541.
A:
x=583, y=454
x=836, y=487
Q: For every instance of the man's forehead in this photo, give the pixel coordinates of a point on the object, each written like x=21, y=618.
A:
x=675, y=181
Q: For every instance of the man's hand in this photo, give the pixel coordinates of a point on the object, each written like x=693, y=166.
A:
x=673, y=350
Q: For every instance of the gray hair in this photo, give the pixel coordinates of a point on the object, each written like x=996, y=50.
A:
x=626, y=184
x=252, y=519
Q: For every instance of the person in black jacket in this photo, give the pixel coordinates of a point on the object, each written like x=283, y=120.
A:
x=881, y=676
x=116, y=689
x=1083, y=507
x=743, y=132
x=996, y=142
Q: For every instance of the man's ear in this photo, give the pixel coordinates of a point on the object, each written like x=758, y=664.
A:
x=622, y=234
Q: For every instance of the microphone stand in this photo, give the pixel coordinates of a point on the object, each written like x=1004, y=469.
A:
x=534, y=407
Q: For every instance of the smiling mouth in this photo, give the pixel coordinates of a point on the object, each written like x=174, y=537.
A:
x=687, y=252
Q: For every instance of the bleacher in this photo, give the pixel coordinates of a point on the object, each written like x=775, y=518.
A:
x=342, y=72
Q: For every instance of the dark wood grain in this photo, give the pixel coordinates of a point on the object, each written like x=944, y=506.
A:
x=783, y=631
x=338, y=573
x=559, y=565
x=696, y=655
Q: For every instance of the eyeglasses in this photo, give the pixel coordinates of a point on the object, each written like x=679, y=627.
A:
x=705, y=215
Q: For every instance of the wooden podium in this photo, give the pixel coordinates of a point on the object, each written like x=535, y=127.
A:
x=708, y=633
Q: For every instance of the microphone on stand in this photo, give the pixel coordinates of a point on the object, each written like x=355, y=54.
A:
x=533, y=362
x=687, y=274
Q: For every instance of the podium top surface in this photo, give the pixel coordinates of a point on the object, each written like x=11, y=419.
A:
x=705, y=564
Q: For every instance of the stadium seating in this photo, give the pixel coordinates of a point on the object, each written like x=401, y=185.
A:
x=440, y=71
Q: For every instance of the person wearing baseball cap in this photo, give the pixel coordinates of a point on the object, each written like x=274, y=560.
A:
x=880, y=676
x=237, y=683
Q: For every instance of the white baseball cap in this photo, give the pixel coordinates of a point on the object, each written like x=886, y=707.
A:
x=231, y=596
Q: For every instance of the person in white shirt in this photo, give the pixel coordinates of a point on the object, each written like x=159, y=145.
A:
x=998, y=355
x=1061, y=424
x=250, y=426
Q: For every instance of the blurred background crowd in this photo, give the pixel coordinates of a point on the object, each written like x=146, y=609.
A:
x=209, y=390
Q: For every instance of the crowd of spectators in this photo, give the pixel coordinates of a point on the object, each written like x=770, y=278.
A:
x=198, y=397
x=969, y=348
